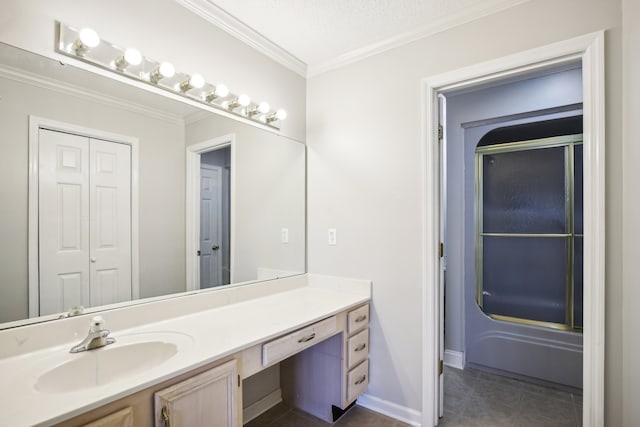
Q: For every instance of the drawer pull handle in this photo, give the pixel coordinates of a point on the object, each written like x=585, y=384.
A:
x=361, y=318
x=360, y=380
x=307, y=338
x=165, y=416
x=361, y=347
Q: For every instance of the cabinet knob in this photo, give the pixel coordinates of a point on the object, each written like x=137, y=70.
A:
x=360, y=380
x=93, y=259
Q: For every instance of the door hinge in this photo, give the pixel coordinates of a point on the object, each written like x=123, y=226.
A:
x=440, y=132
x=441, y=249
x=238, y=380
x=198, y=253
x=440, y=367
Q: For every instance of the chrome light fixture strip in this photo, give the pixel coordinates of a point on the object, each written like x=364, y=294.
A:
x=132, y=64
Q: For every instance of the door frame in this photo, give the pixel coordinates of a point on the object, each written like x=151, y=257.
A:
x=589, y=49
x=193, y=206
x=35, y=124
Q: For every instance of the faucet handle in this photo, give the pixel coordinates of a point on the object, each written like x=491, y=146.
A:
x=98, y=324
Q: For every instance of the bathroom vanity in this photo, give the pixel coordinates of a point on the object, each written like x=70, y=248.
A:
x=186, y=367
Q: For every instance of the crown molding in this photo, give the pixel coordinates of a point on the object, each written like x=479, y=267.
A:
x=37, y=80
x=469, y=14
x=232, y=25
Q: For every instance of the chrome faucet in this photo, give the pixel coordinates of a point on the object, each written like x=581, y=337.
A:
x=98, y=336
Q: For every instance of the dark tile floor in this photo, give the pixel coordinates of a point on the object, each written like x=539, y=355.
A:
x=472, y=398
x=283, y=416
x=477, y=398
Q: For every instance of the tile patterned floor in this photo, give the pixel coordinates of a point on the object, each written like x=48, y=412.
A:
x=477, y=398
x=283, y=416
x=472, y=398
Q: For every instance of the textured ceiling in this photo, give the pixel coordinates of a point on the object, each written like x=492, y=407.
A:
x=320, y=31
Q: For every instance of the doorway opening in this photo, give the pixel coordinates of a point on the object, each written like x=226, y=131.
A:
x=209, y=210
x=215, y=217
x=588, y=51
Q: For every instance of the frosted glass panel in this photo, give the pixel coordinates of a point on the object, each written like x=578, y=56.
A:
x=525, y=277
x=578, y=275
x=524, y=191
x=578, y=197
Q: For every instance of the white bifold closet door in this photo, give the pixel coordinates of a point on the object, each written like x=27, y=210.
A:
x=84, y=220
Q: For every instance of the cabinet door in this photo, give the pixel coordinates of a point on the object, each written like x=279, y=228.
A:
x=122, y=418
x=207, y=399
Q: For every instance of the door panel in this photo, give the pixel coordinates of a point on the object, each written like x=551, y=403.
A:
x=210, y=226
x=110, y=226
x=63, y=221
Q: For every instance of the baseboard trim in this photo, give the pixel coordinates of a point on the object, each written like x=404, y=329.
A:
x=455, y=359
x=390, y=409
x=261, y=406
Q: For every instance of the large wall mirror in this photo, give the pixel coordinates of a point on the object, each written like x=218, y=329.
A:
x=112, y=193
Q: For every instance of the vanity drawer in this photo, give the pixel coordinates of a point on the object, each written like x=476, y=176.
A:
x=294, y=342
x=357, y=319
x=358, y=348
x=357, y=381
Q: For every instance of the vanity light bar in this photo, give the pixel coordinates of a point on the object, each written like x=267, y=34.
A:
x=85, y=45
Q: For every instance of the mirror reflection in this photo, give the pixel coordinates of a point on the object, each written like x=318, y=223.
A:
x=113, y=193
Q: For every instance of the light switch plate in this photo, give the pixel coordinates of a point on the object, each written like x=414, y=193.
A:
x=284, y=235
x=332, y=236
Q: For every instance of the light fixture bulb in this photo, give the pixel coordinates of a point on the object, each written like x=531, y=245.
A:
x=133, y=56
x=89, y=37
x=164, y=70
x=221, y=91
x=278, y=115
x=244, y=100
x=167, y=70
x=263, y=107
x=196, y=81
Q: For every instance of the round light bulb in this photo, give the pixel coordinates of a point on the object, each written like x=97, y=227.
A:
x=281, y=114
x=167, y=70
x=132, y=56
x=89, y=37
x=263, y=107
x=244, y=100
x=221, y=91
x=196, y=81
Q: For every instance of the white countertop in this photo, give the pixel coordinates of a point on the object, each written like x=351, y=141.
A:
x=215, y=333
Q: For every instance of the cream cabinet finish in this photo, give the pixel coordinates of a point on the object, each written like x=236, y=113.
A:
x=283, y=347
x=208, y=399
x=140, y=405
x=122, y=418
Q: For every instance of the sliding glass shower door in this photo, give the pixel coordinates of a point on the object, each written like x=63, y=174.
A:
x=529, y=231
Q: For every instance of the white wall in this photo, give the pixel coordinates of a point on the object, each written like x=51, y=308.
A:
x=162, y=30
x=364, y=176
x=161, y=165
x=631, y=209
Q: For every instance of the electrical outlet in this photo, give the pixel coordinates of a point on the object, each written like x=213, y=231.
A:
x=284, y=235
x=332, y=237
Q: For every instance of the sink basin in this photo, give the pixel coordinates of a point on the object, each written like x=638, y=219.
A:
x=129, y=355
